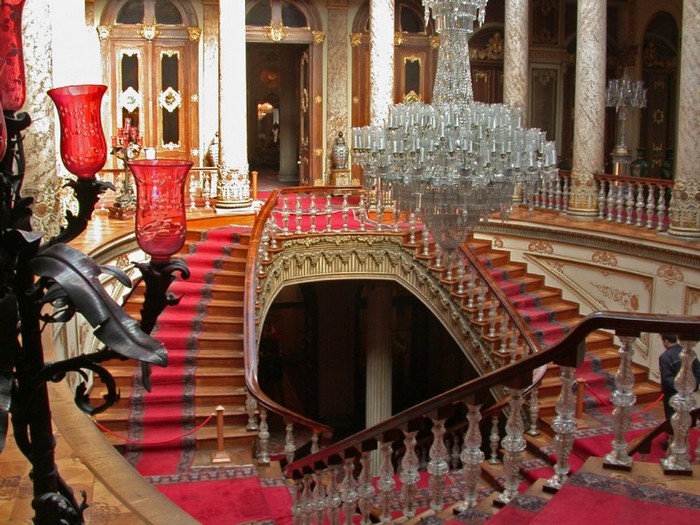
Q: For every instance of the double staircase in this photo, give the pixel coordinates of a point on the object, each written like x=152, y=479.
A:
x=219, y=335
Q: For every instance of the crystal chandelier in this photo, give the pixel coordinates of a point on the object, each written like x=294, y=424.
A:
x=455, y=161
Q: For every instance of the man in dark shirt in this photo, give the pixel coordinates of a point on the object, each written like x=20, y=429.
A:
x=669, y=366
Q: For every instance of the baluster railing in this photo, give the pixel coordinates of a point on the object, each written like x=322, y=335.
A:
x=409, y=475
x=623, y=399
x=563, y=426
x=471, y=457
x=513, y=445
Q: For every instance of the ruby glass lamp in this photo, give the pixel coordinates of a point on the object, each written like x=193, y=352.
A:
x=161, y=222
x=83, y=144
x=12, y=84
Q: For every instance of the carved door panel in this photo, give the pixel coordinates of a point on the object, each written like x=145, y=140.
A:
x=304, y=116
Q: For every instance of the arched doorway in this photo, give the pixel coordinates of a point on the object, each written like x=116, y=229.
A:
x=660, y=73
x=285, y=89
x=150, y=57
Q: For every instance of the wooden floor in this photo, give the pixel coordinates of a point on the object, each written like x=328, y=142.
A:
x=15, y=484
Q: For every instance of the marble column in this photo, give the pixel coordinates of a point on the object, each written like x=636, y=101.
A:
x=516, y=56
x=209, y=85
x=289, y=118
x=338, y=74
x=233, y=185
x=685, y=202
x=378, y=373
x=589, y=107
x=381, y=61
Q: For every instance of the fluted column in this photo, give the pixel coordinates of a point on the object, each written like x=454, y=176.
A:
x=378, y=373
x=515, y=56
x=589, y=110
x=233, y=188
x=685, y=205
x=381, y=61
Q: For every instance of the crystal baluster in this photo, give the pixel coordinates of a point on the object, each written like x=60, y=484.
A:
x=346, y=212
x=563, y=426
x=534, y=410
x=480, y=301
x=460, y=277
x=629, y=202
x=504, y=334
x=312, y=214
x=329, y=213
x=513, y=346
x=437, y=466
x=285, y=215
x=386, y=483
x=412, y=228
x=623, y=398
x=493, y=315
x=471, y=286
x=494, y=440
x=610, y=202
x=454, y=454
x=207, y=189
x=348, y=491
x=307, y=508
x=639, y=204
x=409, y=475
x=318, y=499
x=251, y=406
x=314, y=442
x=263, y=439
x=365, y=490
x=426, y=242
x=298, y=214
x=620, y=202
x=651, y=207
x=661, y=209
x=297, y=508
x=513, y=445
x=361, y=212
x=601, y=199
x=193, y=192
x=678, y=459
x=333, y=499
x=290, y=447
x=471, y=457
x=565, y=195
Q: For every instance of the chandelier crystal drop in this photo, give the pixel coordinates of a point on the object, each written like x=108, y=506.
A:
x=455, y=161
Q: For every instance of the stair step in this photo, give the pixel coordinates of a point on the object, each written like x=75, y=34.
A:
x=230, y=398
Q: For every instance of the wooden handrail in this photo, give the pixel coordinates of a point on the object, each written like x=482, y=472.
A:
x=249, y=327
x=527, y=335
x=567, y=352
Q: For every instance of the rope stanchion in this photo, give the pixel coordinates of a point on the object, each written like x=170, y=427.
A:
x=608, y=405
x=158, y=442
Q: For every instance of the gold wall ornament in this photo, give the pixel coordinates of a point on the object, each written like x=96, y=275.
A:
x=194, y=33
x=355, y=39
x=318, y=152
x=319, y=37
x=411, y=96
x=149, y=31
x=318, y=99
x=399, y=39
x=435, y=42
x=195, y=98
x=103, y=32
x=276, y=32
x=492, y=51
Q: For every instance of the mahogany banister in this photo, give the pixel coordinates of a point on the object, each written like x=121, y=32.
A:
x=249, y=330
x=568, y=352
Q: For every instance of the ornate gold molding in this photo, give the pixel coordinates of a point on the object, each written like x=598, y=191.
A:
x=435, y=42
x=399, y=39
x=149, y=31
x=319, y=37
x=355, y=39
x=103, y=32
x=492, y=51
x=195, y=33
x=276, y=32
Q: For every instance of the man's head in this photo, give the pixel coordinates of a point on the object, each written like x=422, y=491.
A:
x=669, y=339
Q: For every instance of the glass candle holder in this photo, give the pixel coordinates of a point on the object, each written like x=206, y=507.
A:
x=161, y=222
x=83, y=143
x=13, y=90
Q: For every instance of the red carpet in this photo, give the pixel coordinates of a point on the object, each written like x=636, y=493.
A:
x=167, y=411
x=232, y=502
x=589, y=498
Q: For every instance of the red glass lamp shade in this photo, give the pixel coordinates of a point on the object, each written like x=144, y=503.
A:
x=3, y=127
x=161, y=223
x=83, y=143
x=13, y=90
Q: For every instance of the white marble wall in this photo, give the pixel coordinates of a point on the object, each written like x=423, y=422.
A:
x=337, y=74
x=381, y=68
x=209, y=79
